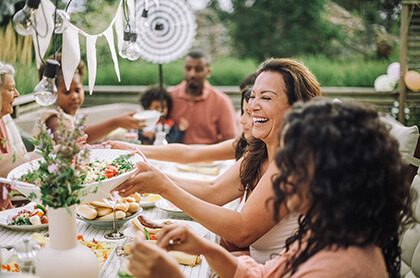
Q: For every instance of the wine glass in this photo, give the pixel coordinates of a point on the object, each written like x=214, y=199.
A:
x=26, y=252
x=115, y=234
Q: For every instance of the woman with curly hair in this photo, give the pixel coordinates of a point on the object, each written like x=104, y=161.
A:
x=342, y=171
x=279, y=84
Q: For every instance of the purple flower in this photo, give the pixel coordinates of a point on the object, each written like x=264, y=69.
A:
x=52, y=168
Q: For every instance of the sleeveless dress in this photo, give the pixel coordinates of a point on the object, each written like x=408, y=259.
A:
x=272, y=242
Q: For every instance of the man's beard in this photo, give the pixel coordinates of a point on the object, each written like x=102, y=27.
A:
x=194, y=88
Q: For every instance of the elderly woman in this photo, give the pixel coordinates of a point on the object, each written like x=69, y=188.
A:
x=279, y=84
x=341, y=170
x=12, y=149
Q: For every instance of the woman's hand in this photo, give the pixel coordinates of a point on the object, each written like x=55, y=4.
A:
x=149, y=260
x=181, y=238
x=120, y=145
x=147, y=180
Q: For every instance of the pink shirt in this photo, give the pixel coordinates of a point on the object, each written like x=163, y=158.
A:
x=349, y=262
x=210, y=116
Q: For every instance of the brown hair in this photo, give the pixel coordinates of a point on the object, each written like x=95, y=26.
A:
x=301, y=85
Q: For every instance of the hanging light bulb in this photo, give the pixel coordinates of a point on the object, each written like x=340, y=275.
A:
x=23, y=19
x=126, y=42
x=144, y=19
x=46, y=91
x=60, y=24
x=133, y=50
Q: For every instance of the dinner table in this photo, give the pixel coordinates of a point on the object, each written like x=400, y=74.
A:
x=9, y=238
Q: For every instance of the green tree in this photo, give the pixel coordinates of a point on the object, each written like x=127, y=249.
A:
x=265, y=28
x=383, y=12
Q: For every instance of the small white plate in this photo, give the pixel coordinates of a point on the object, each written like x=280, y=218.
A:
x=146, y=203
x=150, y=116
x=171, y=209
x=7, y=214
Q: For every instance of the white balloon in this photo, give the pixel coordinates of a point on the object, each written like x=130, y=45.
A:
x=384, y=83
x=393, y=71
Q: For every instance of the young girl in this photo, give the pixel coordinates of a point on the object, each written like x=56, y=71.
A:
x=152, y=99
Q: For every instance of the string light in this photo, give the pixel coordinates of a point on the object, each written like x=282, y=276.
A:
x=45, y=91
x=23, y=19
x=133, y=50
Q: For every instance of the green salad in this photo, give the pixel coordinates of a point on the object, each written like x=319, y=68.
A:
x=92, y=171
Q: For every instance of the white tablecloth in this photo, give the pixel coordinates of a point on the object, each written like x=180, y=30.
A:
x=110, y=268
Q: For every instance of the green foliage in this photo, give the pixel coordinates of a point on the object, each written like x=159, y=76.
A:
x=26, y=78
x=60, y=181
x=264, y=28
x=383, y=12
x=350, y=72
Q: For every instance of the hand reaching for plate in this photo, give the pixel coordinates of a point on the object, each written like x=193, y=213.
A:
x=147, y=180
x=181, y=238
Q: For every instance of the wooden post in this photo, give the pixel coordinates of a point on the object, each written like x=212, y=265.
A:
x=403, y=60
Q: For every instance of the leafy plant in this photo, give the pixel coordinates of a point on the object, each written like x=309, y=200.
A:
x=61, y=180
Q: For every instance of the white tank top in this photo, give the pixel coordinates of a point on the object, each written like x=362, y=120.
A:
x=272, y=242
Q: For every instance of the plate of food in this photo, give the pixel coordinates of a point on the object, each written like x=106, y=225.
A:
x=171, y=209
x=148, y=200
x=152, y=227
x=104, y=170
x=31, y=217
x=100, y=214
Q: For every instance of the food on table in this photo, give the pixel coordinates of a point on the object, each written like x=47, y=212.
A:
x=10, y=267
x=181, y=257
x=36, y=216
x=150, y=197
x=92, y=171
x=103, y=210
x=151, y=227
x=102, y=250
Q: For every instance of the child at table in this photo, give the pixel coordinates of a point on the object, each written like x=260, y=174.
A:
x=153, y=99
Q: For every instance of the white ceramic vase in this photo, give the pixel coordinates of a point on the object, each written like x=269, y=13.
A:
x=64, y=256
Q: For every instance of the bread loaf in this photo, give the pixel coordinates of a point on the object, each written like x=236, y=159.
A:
x=118, y=215
x=133, y=207
x=100, y=204
x=86, y=211
x=103, y=211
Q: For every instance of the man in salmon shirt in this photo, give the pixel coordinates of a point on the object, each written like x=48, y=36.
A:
x=209, y=112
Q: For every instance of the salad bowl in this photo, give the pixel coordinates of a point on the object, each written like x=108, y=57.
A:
x=93, y=190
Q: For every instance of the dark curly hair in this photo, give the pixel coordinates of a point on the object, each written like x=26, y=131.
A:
x=155, y=94
x=359, y=191
x=301, y=85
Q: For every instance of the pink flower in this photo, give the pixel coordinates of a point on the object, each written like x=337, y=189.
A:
x=52, y=168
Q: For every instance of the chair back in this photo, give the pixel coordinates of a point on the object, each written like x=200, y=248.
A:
x=408, y=138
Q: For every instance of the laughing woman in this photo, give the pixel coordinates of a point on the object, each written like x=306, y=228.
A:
x=279, y=84
x=341, y=170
